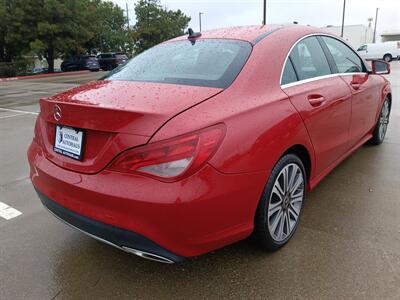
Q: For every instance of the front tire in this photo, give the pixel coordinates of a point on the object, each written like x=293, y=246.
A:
x=379, y=133
x=281, y=204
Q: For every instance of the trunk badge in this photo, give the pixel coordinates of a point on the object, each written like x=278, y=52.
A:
x=57, y=113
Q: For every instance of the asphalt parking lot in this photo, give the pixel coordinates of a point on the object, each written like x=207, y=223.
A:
x=347, y=245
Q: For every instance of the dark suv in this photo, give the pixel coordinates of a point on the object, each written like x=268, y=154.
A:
x=80, y=62
x=109, y=61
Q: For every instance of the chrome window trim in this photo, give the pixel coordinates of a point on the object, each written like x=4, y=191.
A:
x=284, y=86
x=317, y=77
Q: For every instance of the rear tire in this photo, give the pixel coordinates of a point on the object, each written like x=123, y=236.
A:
x=387, y=57
x=281, y=203
x=379, y=132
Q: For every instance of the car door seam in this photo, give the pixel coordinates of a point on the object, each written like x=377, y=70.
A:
x=304, y=125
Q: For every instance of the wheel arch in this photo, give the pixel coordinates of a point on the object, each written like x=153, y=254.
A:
x=386, y=92
x=302, y=152
x=389, y=96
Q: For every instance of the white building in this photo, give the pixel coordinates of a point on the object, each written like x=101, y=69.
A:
x=355, y=35
x=390, y=35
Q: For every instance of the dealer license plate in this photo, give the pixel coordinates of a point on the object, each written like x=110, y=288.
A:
x=68, y=141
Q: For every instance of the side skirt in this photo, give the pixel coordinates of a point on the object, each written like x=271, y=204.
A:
x=317, y=179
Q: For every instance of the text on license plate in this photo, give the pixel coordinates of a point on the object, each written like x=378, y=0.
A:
x=68, y=141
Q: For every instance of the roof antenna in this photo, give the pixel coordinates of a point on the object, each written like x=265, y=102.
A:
x=193, y=35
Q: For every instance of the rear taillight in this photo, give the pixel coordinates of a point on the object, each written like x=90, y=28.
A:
x=174, y=158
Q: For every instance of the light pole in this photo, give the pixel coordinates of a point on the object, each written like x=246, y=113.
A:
x=369, y=22
x=344, y=11
x=265, y=12
x=127, y=14
x=376, y=21
x=200, y=13
x=366, y=29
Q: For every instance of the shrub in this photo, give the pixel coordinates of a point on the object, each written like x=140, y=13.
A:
x=7, y=70
x=23, y=65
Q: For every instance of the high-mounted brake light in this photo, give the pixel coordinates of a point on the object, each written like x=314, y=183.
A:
x=174, y=158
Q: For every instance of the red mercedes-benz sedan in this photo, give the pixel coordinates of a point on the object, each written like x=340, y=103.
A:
x=205, y=139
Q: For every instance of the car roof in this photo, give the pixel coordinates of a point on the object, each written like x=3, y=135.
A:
x=254, y=33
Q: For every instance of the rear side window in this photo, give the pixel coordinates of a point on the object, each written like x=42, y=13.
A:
x=288, y=75
x=309, y=59
x=211, y=63
x=346, y=60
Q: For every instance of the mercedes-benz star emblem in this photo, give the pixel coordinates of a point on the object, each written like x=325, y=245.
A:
x=57, y=113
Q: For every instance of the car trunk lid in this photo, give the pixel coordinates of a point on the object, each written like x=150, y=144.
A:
x=115, y=116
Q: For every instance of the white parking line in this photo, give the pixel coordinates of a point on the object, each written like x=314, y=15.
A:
x=19, y=111
x=10, y=116
x=7, y=212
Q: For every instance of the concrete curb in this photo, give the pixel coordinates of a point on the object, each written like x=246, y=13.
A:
x=44, y=75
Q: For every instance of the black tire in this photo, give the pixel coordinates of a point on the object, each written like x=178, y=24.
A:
x=262, y=231
x=387, y=57
x=379, y=133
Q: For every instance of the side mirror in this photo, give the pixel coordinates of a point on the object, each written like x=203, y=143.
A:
x=380, y=67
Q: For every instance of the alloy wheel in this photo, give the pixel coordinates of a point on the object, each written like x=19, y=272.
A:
x=285, y=202
x=384, y=120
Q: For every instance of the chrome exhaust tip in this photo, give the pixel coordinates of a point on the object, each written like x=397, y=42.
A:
x=147, y=255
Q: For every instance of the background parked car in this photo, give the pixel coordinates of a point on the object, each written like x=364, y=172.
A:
x=111, y=60
x=81, y=62
x=39, y=70
x=386, y=51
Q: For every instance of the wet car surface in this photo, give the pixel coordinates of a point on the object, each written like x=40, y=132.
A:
x=348, y=244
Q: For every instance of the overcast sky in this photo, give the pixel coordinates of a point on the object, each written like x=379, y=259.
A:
x=224, y=13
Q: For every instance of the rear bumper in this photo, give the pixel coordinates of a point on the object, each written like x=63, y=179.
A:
x=117, y=237
x=203, y=212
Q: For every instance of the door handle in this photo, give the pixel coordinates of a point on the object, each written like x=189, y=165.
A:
x=355, y=86
x=315, y=100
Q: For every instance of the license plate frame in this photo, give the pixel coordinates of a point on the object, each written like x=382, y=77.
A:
x=69, y=141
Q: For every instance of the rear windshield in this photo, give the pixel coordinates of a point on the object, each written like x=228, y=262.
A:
x=210, y=63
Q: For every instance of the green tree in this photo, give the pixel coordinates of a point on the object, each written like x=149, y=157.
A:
x=3, y=30
x=15, y=28
x=46, y=28
x=51, y=28
x=108, y=25
x=62, y=27
x=154, y=24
